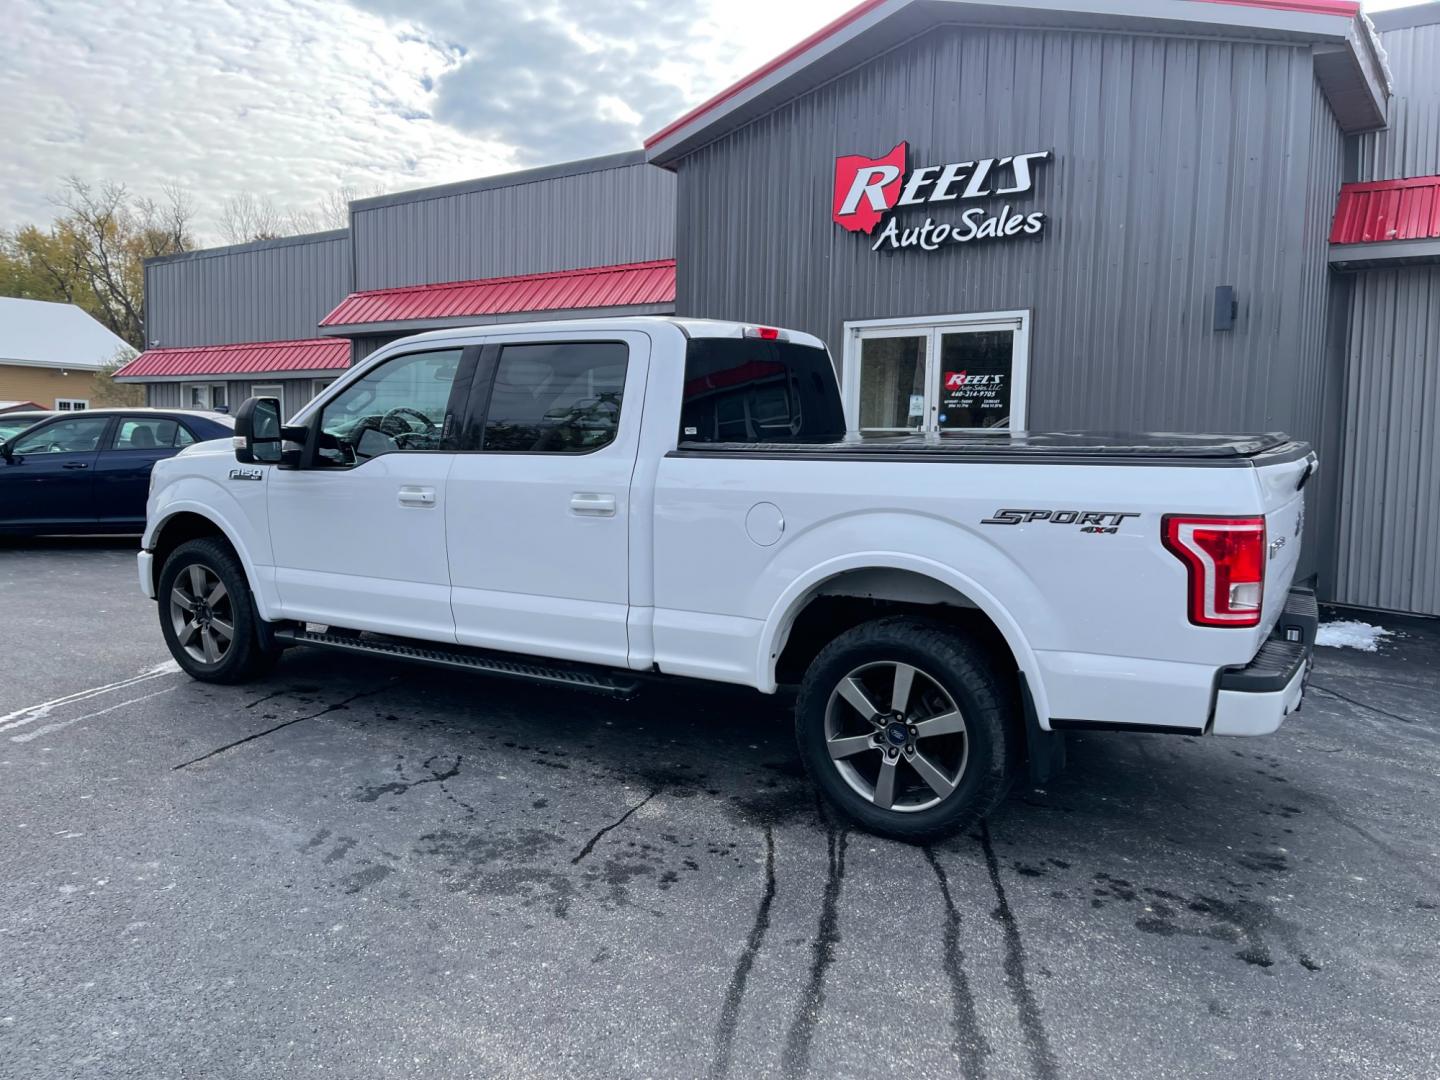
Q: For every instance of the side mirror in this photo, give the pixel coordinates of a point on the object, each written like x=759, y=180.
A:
x=257, y=432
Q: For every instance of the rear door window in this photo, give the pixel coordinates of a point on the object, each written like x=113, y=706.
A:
x=747, y=390
x=556, y=398
x=146, y=433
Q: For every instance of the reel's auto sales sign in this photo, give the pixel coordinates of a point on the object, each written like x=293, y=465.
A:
x=867, y=189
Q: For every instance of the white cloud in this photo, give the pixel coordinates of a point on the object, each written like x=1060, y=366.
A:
x=293, y=99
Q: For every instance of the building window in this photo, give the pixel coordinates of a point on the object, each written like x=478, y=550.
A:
x=318, y=387
x=206, y=396
x=274, y=390
x=938, y=374
x=70, y=404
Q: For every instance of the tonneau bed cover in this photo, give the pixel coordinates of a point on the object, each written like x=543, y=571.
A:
x=1058, y=447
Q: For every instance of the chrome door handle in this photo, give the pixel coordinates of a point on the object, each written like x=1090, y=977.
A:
x=417, y=496
x=592, y=505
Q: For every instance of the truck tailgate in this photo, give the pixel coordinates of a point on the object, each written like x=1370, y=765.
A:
x=1282, y=490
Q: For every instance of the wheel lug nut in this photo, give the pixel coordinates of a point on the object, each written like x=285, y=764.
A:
x=893, y=752
x=914, y=731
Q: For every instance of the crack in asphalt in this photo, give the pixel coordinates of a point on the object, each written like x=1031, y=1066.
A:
x=404, y=784
x=1362, y=704
x=271, y=730
x=1032, y=1024
x=735, y=993
x=795, y=1059
x=970, y=1044
x=590, y=844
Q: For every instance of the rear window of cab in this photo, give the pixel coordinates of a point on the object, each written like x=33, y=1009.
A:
x=751, y=390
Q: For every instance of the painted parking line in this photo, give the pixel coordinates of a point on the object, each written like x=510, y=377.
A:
x=28, y=715
x=60, y=725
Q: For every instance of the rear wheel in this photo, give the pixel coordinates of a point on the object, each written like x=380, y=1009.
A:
x=906, y=729
x=208, y=615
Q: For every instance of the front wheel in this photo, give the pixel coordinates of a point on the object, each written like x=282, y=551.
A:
x=906, y=729
x=208, y=616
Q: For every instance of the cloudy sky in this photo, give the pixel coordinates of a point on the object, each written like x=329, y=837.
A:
x=292, y=99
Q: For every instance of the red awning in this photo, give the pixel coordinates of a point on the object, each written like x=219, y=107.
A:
x=566, y=290
x=251, y=358
x=1388, y=210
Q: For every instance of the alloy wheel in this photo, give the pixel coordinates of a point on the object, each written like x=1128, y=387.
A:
x=896, y=736
x=202, y=614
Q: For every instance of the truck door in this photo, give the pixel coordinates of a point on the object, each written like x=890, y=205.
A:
x=359, y=540
x=538, y=502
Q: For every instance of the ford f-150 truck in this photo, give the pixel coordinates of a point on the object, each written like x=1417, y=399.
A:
x=595, y=503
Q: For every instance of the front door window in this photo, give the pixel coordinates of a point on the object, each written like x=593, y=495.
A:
x=949, y=374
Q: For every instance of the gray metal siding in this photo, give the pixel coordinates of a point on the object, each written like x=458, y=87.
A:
x=1390, y=502
x=1320, y=365
x=1411, y=144
x=264, y=292
x=294, y=393
x=1180, y=165
x=601, y=218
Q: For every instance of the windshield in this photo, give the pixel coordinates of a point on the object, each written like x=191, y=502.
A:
x=13, y=425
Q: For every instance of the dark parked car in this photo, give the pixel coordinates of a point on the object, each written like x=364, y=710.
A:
x=89, y=472
x=12, y=423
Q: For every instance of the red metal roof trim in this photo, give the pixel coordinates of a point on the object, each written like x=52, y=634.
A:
x=594, y=287
x=1385, y=210
x=1347, y=8
x=250, y=358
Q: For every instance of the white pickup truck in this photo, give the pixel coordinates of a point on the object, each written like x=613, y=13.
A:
x=594, y=503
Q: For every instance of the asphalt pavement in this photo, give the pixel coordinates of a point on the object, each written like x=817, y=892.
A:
x=362, y=869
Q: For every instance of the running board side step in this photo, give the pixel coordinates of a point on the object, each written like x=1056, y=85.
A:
x=458, y=658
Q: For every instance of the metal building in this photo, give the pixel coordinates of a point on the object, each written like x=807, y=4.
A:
x=1051, y=214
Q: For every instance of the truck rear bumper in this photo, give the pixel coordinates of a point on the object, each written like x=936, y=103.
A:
x=1256, y=698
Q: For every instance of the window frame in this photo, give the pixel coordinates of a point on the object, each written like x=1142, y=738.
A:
x=933, y=328
x=314, y=421
x=258, y=390
x=477, y=410
x=209, y=405
x=72, y=404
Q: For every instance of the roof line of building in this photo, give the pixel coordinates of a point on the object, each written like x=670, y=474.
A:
x=252, y=245
x=579, y=167
x=1406, y=18
x=1329, y=20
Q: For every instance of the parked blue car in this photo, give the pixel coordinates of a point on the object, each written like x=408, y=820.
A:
x=89, y=472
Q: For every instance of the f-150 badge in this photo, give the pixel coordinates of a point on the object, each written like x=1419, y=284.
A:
x=247, y=474
x=1100, y=522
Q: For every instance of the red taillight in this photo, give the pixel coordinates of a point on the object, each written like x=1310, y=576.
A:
x=1225, y=558
x=766, y=333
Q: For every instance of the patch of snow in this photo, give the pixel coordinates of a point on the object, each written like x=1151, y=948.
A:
x=1349, y=634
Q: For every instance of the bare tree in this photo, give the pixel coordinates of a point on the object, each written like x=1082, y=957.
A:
x=331, y=212
x=107, y=236
x=247, y=216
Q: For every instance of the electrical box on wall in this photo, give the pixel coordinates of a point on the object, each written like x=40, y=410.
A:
x=1227, y=308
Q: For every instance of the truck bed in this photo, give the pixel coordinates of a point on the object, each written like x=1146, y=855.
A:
x=1049, y=448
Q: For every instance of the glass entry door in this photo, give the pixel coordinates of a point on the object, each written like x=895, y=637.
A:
x=956, y=373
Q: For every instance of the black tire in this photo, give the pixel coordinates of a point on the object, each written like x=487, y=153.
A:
x=954, y=675
x=251, y=650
